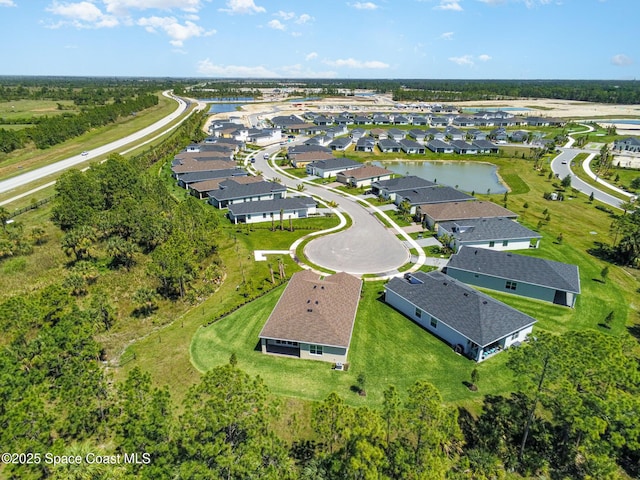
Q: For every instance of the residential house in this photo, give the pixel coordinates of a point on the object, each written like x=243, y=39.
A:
x=331, y=167
x=485, y=146
x=364, y=176
x=341, y=143
x=400, y=120
x=272, y=210
x=365, y=144
x=381, y=119
x=472, y=323
x=432, y=214
x=387, y=145
x=357, y=133
x=234, y=192
x=396, y=134
x=499, y=134
x=190, y=165
x=418, y=135
x=388, y=189
x=532, y=277
x=475, y=134
x=454, y=133
x=434, y=133
x=201, y=189
x=420, y=120
x=410, y=147
x=337, y=131
x=304, y=158
x=186, y=179
x=629, y=144
x=314, y=317
x=379, y=133
x=290, y=123
x=438, y=146
x=496, y=233
x=322, y=140
x=264, y=136
x=519, y=136
x=439, y=121
x=434, y=194
x=464, y=148
x=362, y=120
x=461, y=121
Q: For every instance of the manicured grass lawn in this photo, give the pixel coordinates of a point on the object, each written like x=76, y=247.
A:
x=386, y=347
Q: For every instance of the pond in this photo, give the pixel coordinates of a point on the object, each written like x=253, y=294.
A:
x=224, y=107
x=466, y=176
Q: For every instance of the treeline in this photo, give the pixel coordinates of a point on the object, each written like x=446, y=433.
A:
x=50, y=131
x=574, y=415
x=618, y=92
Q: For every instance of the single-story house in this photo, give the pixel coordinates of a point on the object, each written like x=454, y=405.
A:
x=291, y=123
x=381, y=119
x=519, y=136
x=472, y=323
x=420, y=120
x=365, y=144
x=432, y=214
x=439, y=121
x=337, y=131
x=264, y=136
x=186, y=179
x=496, y=233
x=439, y=146
x=189, y=166
x=434, y=133
x=411, y=147
x=454, y=133
x=322, y=140
x=485, y=146
x=499, y=134
x=357, y=133
x=475, y=134
x=629, y=144
x=462, y=121
x=396, y=134
x=266, y=210
x=341, y=143
x=464, y=148
x=400, y=120
x=434, y=194
x=379, y=133
x=302, y=159
x=201, y=189
x=364, y=176
x=233, y=192
x=532, y=277
x=418, y=135
x=362, y=120
x=314, y=317
x=387, y=145
x=331, y=167
x=388, y=189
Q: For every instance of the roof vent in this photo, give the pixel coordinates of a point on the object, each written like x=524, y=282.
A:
x=465, y=294
x=484, y=302
x=309, y=309
x=316, y=302
x=322, y=287
x=445, y=283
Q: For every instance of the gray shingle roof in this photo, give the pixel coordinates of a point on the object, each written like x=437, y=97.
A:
x=403, y=183
x=234, y=190
x=521, y=268
x=434, y=194
x=192, y=177
x=268, y=206
x=335, y=163
x=483, y=229
x=473, y=314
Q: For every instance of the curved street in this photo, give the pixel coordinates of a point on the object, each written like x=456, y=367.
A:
x=28, y=177
x=366, y=247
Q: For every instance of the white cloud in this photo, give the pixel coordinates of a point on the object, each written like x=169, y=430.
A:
x=179, y=33
x=463, y=61
x=621, y=60
x=121, y=7
x=298, y=71
x=365, y=5
x=82, y=15
x=484, y=57
x=296, y=34
x=285, y=15
x=311, y=56
x=207, y=67
x=242, y=7
x=276, y=25
x=528, y=3
x=452, y=5
x=447, y=35
x=7, y=3
x=304, y=18
x=353, y=63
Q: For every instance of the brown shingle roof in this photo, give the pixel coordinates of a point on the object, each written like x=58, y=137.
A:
x=315, y=310
x=203, y=156
x=209, y=185
x=447, y=211
x=203, y=166
x=368, y=171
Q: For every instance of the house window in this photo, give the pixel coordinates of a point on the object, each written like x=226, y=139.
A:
x=434, y=322
x=515, y=336
x=505, y=243
x=418, y=313
x=264, y=215
x=492, y=244
x=510, y=285
x=315, y=349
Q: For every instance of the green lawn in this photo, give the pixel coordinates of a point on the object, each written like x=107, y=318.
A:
x=386, y=347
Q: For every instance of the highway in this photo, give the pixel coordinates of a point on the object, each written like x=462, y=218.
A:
x=39, y=173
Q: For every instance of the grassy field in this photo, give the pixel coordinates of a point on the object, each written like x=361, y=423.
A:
x=31, y=158
x=26, y=109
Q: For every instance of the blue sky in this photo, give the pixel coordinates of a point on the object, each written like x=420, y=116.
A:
x=463, y=39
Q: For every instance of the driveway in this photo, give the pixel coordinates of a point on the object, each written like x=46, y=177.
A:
x=366, y=247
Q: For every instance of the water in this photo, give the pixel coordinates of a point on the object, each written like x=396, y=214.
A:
x=228, y=99
x=625, y=121
x=466, y=176
x=305, y=99
x=224, y=107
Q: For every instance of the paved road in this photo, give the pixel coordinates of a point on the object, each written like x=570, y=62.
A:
x=366, y=247
x=28, y=177
x=561, y=166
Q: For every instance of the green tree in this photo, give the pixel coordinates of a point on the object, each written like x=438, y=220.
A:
x=566, y=182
